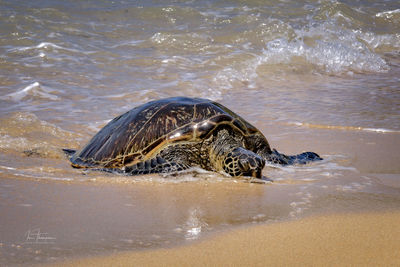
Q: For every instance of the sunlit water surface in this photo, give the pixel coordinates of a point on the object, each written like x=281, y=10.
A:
x=311, y=75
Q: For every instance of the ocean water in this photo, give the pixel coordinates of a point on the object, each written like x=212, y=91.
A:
x=311, y=75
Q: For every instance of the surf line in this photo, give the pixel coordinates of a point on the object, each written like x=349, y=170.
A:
x=344, y=128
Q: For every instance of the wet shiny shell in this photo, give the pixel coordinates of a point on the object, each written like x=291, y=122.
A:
x=142, y=132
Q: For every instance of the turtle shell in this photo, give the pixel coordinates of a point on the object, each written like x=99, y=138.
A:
x=142, y=132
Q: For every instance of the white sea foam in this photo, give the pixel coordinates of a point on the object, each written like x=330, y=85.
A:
x=46, y=46
x=7, y=168
x=33, y=89
x=331, y=57
x=25, y=205
x=385, y=42
x=379, y=130
x=194, y=224
x=345, y=128
x=22, y=93
x=329, y=167
x=128, y=43
x=388, y=14
x=8, y=142
x=29, y=174
x=96, y=126
x=325, y=48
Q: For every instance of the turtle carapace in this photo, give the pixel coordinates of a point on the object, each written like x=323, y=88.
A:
x=174, y=134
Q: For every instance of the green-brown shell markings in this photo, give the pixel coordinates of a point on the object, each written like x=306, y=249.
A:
x=174, y=134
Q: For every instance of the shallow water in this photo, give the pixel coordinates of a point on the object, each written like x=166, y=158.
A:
x=312, y=75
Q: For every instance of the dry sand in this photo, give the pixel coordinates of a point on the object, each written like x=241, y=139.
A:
x=332, y=240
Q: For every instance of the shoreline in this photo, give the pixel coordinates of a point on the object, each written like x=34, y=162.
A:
x=92, y=216
x=367, y=239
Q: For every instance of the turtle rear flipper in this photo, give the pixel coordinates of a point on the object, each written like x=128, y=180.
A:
x=155, y=165
x=304, y=158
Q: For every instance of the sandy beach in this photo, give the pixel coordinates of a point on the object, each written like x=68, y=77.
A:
x=370, y=239
x=320, y=76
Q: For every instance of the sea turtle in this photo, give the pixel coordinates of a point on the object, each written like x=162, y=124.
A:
x=174, y=134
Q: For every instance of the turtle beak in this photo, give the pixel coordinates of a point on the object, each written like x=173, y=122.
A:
x=256, y=173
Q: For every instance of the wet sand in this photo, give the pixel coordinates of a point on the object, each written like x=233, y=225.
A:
x=369, y=239
x=209, y=219
x=312, y=76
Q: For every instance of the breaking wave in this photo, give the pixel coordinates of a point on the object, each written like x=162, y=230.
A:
x=34, y=90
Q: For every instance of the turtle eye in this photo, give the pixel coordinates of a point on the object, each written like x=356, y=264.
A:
x=243, y=165
x=260, y=162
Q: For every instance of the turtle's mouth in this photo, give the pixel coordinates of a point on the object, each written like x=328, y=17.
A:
x=253, y=173
x=256, y=173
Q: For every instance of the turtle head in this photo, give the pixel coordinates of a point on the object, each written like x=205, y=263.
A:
x=243, y=162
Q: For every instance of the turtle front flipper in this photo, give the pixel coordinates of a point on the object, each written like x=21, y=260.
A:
x=303, y=158
x=155, y=165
